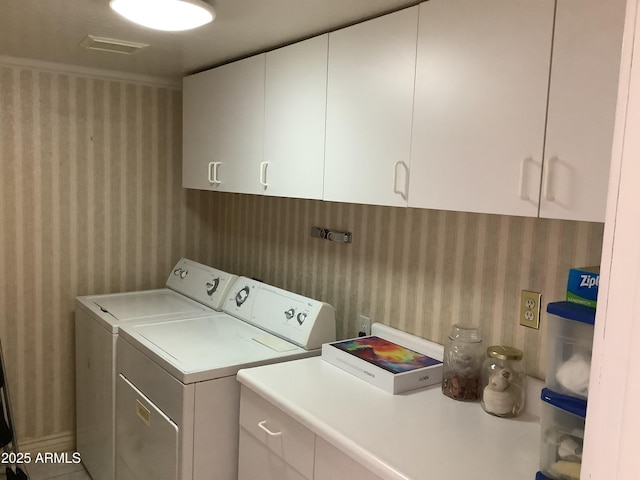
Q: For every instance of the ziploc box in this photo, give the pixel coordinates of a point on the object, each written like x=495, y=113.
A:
x=582, y=286
x=385, y=364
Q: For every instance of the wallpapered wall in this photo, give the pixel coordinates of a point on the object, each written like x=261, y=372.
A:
x=417, y=270
x=91, y=202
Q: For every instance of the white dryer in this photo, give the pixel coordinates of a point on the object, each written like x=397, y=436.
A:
x=192, y=290
x=178, y=401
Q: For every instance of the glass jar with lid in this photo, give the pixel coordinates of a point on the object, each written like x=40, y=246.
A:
x=503, y=381
x=462, y=363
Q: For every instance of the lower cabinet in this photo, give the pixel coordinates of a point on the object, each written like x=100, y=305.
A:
x=274, y=446
x=257, y=461
x=331, y=463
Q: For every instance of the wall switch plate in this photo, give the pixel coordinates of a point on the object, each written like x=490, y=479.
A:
x=530, y=309
x=364, y=328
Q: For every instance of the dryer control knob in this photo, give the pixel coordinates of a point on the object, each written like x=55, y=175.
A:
x=184, y=273
x=301, y=318
x=242, y=296
x=289, y=313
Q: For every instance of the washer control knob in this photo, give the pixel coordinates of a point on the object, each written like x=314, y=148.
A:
x=177, y=271
x=212, y=286
x=301, y=318
x=184, y=273
x=289, y=313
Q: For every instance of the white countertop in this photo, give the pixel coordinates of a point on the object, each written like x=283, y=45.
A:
x=418, y=435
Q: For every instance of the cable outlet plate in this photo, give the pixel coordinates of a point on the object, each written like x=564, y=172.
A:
x=530, y=309
x=364, y=327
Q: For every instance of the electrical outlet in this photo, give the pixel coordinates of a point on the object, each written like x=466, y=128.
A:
x=530, y=309
x=365, y=326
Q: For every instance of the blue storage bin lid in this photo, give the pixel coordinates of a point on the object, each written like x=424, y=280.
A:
x=573, y=311
x=576, y=406
x=542, y=476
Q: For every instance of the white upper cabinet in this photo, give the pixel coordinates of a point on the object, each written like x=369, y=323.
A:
x=453, y=104
x=369, y=107
x=295, y=104
x=582, y=100
x=223, y=127
x=480, y=104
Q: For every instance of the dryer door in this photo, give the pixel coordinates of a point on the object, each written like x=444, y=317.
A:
x=146, y=439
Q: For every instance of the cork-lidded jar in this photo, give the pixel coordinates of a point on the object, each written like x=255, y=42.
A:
x=503, y=381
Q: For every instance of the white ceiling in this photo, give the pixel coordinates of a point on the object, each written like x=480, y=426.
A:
x=51, y=30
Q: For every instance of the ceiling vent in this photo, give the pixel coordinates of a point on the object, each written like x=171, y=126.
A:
x=111, y=45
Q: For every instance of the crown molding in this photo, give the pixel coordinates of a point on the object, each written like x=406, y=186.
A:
x=103, y=74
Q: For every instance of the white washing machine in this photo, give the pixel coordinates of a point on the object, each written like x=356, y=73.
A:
x=178, y=401
x=192, y=290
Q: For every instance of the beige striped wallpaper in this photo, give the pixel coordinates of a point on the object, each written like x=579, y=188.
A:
x=417, y=270
x=91, y=202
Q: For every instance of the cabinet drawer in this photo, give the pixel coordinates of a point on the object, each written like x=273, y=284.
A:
x=280, y=433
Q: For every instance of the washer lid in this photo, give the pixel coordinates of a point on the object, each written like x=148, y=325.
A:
x=137, y=305
x=204, y=348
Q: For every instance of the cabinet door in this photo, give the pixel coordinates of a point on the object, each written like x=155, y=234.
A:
x=272, y=442
x=582, y=100
x=257, y=461
x=331, y=463
x=369, y=104
x=223, y=127
x=480, y=103
x=295, y=107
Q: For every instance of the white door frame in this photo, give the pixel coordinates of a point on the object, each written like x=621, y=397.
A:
x=613, y=414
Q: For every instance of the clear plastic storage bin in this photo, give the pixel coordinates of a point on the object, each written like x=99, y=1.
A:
x=562, y=436
x=569, y=346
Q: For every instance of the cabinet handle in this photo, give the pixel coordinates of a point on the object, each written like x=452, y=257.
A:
x=400, y=192
x=213, y=172
x=263, y=174
x=547, y=191
x=523, y=178
x=269, y=432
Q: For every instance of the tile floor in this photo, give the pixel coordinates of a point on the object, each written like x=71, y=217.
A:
x=57, y=471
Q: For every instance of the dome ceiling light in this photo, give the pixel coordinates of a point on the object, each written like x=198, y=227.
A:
x=167, y=15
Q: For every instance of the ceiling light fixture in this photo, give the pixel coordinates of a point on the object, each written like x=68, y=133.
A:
x=168, y=15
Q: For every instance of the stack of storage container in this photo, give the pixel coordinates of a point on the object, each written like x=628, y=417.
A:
x=564, y=399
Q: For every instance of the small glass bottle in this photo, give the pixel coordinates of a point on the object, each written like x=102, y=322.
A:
x=462, y=363
x=503, y=382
